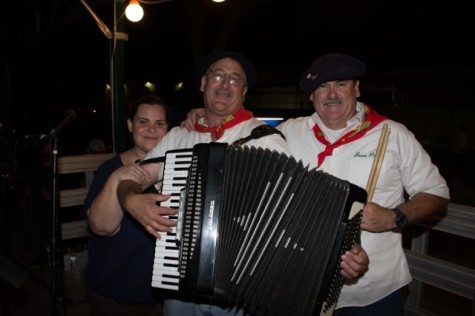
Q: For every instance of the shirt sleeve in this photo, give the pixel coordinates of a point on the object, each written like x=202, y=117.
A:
x=418, y=172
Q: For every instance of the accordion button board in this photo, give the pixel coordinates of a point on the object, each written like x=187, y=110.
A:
x=256, y=228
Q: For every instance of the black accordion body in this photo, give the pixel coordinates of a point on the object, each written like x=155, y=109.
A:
x=256, y=229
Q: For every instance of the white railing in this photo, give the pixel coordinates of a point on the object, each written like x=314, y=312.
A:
x=85, y=165
x=459, y=220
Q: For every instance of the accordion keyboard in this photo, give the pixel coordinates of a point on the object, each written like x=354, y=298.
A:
x=175, y=172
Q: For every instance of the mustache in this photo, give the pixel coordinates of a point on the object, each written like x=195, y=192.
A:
x=332, y=101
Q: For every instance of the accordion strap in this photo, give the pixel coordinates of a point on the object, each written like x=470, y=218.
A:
x=152, y=188
x=151, y=160
x=258, y=132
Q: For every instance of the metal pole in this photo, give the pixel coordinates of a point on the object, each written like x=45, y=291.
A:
x=57, y=308
x=117, y=79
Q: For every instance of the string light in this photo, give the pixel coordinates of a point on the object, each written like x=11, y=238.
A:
x=134, y=11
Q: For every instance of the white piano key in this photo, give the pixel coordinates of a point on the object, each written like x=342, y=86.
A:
x=168, y=275
x=170, y=244
x=176, y=174
x=164, y=285
x=166, y=260
x=166, y=238
x=166, y=251
x=166, y=265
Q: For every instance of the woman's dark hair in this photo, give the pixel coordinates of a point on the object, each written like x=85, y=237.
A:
x=147, y=99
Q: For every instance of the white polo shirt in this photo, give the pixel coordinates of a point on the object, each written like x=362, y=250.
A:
x=180, y=138
x=406, y=167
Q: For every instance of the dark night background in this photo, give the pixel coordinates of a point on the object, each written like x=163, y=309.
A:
x=421, y=72
x=54, y=57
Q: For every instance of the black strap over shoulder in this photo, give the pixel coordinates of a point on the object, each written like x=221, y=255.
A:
x=258, y=132
x=151, y=160
x=152, y=188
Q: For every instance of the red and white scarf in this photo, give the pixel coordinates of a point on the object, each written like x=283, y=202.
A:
x=371, y=120
x=231, y=120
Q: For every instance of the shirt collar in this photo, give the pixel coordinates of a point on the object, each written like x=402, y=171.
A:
x=352, y=123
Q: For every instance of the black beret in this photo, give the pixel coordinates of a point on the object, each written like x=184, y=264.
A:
x=251, y=73
x=331, y=67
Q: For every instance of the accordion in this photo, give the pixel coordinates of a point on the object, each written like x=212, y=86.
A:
x=255, y=229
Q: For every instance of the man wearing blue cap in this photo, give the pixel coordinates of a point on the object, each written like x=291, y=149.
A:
x=341, y=138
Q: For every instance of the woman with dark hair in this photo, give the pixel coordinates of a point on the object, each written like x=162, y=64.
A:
x=119, y=270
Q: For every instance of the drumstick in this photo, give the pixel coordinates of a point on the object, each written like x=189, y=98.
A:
x=378, y=160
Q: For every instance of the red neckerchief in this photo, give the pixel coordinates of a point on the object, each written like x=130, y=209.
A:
x=371, y=120
x=231, y=120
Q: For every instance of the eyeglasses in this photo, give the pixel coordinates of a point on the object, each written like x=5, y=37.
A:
x=220, y=76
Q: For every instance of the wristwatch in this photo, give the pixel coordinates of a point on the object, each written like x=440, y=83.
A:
x=401, y=219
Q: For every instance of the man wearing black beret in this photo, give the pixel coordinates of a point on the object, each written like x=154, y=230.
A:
x=341, y=138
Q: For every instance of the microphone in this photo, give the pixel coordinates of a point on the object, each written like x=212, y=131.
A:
x=70, y=116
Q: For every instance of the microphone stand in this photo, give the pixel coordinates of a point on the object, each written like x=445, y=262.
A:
x=56, y=266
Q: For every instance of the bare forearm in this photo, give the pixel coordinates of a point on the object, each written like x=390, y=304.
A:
x=423, y=205
x=125, y=189
x=377, y=218
x=105, y=213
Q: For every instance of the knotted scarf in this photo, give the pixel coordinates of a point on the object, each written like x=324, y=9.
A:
x=231, y=120
x=371, y=120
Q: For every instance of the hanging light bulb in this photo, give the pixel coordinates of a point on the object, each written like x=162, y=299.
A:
x=134, y=11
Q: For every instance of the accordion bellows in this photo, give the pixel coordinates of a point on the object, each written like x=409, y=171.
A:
x=256, y=229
